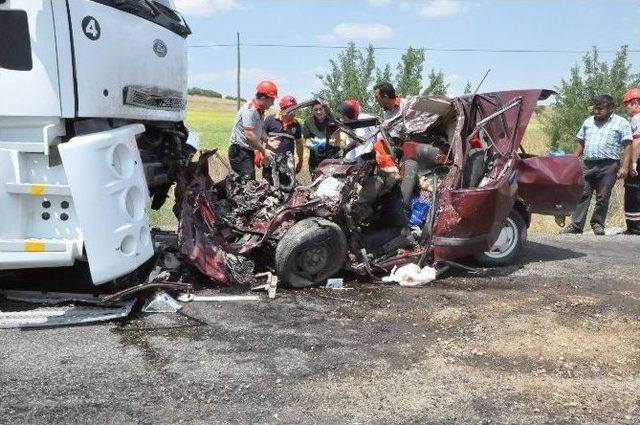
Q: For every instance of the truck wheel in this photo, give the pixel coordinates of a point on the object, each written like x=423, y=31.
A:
x=311, y=251
x=509, y=243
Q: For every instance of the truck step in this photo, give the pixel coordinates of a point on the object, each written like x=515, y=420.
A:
x=34, y=245
x=37, y=189
x=29, y=147
x=35, y=253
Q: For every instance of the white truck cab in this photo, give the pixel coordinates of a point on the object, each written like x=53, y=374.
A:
x=92, y=103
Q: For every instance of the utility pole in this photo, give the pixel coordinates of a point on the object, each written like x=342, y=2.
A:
x=238, y=72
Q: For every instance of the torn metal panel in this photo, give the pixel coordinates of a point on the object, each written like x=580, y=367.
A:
x=161, y=302
x=129, y=292
x=64, y=316
x=51, y=298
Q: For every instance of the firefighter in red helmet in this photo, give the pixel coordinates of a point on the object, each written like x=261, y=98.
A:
x=248, y=133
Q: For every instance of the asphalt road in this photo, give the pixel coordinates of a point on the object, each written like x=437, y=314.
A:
x=554, y=339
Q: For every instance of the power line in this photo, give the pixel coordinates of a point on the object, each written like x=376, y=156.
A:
x=429, y=49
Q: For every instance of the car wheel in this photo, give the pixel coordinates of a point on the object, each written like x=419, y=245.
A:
x=311, y=251
x=507, y=247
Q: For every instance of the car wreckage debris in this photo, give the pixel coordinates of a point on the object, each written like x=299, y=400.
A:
x=185, y=298
x=51, y=298
x=409, y=202
x=64, y=315
x=270, y=286
x=161, y=302
x=128, y=292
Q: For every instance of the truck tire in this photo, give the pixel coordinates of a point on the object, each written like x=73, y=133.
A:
x=311, y=251
x=507, y=247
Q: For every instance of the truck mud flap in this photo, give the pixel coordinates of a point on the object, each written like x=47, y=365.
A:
x=111, y=199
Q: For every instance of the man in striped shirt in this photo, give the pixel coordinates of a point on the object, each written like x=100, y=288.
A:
x=601, y=138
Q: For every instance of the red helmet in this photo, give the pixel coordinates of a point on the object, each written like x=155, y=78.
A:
x=267, y=87
x=350, y=108
x=630, y=95
x=287, y=101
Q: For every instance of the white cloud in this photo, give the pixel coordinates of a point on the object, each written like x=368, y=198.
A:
x=250, y=75
x=378, y=3
x=440, y=8
x=357, y=31
x=205, y=8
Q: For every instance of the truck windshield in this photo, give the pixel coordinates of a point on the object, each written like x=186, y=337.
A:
x=161, y=12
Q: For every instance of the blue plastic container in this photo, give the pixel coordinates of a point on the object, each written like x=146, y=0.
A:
x=418, y=212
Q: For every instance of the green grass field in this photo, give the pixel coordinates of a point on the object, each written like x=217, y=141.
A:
x=213, y=119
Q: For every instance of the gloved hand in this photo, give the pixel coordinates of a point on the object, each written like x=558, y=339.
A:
x=299, y=166
x=317, y=144
x=257, y=158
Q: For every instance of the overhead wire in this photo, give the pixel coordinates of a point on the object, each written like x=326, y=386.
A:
x=429, y=49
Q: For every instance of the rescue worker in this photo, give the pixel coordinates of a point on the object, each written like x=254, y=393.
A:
x=284, y=136
x=385, y=95
x=384, y=176
x=314, y=131
x=248, y=133
x=631, y=102
x=600, y=138
x=350, y=110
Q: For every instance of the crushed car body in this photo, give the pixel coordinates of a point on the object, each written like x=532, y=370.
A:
x=459, y=185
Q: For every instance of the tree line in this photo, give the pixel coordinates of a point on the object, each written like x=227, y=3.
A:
x=354, y=72
x=197, y=91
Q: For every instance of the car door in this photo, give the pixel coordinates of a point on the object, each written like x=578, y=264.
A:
x=550, y=185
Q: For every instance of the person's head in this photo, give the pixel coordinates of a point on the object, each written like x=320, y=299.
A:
x=631, y=101
x=603, y=106
x=266, y=93
x=318, y=111
x=286, y=102
x=350, y=109
x=385, y=95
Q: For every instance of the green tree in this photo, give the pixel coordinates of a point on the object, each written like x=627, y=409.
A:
x=408, y=79
x=467, y=88
x=436, y=85
x=384, y=74
x=351, y=76
x=573, y=102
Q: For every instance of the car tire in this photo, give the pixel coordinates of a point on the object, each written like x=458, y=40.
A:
x=311, y=251
x=507, y=247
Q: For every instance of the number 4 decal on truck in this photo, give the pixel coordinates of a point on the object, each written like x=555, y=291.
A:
x=91, y=27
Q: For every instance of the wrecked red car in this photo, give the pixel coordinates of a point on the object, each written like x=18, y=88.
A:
x=464, y=187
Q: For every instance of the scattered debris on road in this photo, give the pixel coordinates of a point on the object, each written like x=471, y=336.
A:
x=161, y=302
x=64, y=315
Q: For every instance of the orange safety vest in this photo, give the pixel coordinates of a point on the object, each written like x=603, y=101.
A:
x=383, y=159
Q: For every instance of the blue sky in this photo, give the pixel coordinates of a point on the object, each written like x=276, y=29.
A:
x=441, y=24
